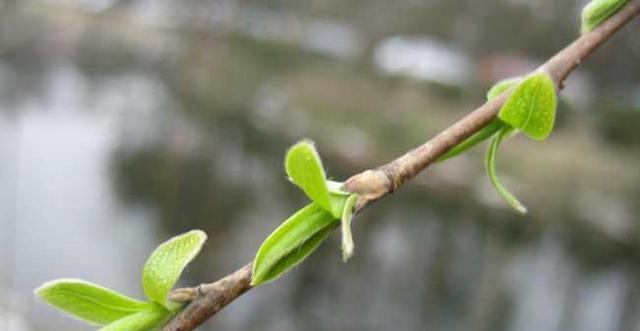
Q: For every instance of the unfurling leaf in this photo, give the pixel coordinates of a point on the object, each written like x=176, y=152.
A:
x=490, y=165
x=89, y=302
x=475, y=139
x=292, y=242
x=598, y=11
x=531, y=107
x=166, y=263
x=502, y=86
x=150, y=319
x=304, y=168
x=347, y=237
x=488, y=131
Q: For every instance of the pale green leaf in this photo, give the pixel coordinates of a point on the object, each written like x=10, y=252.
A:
x=292, y=242
x=336, y=188
x=475, y=139
x=531, y=108
x=347, y=237
x=89, y=302
x=304, y=168
x=148, y=320
x=490, y=165
x=337, y=203
x=502, y=86
x=598, y=11
x=487, y=131
x=166, y=263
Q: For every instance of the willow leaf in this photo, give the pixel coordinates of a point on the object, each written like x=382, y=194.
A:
x=490, y=165
x=475, y=139
x=502, y=86
x=531, y=108
x=598, y=11
x=148, y=320
x=166, y=264
x=488, y=131
x=304, y=168
x=292, y=242
x=87, y=301
x=347, y=237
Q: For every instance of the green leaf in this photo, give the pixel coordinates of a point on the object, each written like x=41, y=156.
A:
x=502, y=86
x=166, y=263
x=347, y=237
x=89, y=302
x=292, y=242
x=490, y=165
x=337, y=204
x=488, y=131
x=475, y=139
x=304, y=168
x=598, y=11
x=150, y=319
x=531, y=107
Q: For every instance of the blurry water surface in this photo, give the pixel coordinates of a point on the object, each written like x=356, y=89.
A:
x=120, y=129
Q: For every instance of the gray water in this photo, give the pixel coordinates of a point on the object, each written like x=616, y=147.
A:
x=112, y=141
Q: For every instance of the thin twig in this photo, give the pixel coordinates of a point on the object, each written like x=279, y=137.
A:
x=207, y=299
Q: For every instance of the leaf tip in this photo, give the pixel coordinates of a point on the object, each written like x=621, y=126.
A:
x=347, y=251
x=518, y=207
x=44, y=291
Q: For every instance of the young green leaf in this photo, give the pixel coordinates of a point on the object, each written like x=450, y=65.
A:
x=488, y=131
x=151, y=318
x=89, y=302
x=475, y=139
x=598, y=11
x=490, y=165
x=292, y=242
x=304, y=168
x=337, y=204
x=502, y=86
x=347, y=237
x=166, y=263
x=531, y=107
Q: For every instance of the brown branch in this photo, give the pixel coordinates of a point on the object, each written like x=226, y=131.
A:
x=207, y=299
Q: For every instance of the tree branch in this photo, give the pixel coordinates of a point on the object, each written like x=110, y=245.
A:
x=207, y=299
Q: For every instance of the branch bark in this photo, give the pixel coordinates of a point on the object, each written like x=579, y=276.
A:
x=372, y=185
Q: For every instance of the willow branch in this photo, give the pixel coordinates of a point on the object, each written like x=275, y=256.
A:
x=371, y=185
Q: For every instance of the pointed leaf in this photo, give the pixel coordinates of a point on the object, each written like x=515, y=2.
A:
x=490, y=165
x=347, y=237
x=531, y=107
x=292, y=242
x=598, y=11
x=166, y=263
x=304, y=168
x=89, y=302
x=150, y=319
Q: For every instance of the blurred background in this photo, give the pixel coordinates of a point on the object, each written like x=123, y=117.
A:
x=124, y=122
